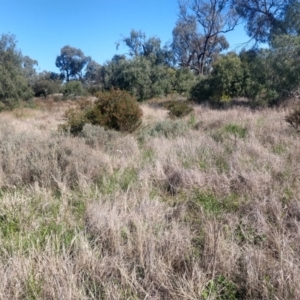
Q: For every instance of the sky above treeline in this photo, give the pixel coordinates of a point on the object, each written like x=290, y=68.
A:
x=43, y=27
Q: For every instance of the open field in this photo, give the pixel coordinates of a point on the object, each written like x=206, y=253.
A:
x=205, y=207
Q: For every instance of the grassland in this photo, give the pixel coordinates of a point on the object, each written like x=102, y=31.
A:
x=205, y=207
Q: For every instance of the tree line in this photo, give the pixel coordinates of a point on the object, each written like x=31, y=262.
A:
x=196, y=63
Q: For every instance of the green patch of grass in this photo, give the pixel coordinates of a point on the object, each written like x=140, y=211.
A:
x=220, y=288
x=60, y=236
x=38, y=223
x=9, y=224
x=231, y=132
x=279, y=149
x=236, y=130
x=213, y=205
x=33, y=286
x=77, y=205
x=120, y=179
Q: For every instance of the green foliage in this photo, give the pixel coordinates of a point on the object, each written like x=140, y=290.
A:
x=228, y=75
x=178, y=109
x=9, y=225
x=228, y=80
x=13, y=84
x=149, y=48
x=202, y=91
x=76, y=119
x=184, y=80
x=93, y=78
x=71, y=62
x=267, y=18
x=115, y=109
x=198, y=35
x=213, y=205
x=236, y=130
x=46, y=83
x=28, y=66
x=265, y=76
x=220, y=288
x=139, y=76
x=73, y=87
x=120, y=179
x=272, y=74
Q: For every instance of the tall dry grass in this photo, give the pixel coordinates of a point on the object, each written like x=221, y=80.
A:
x=206, y=207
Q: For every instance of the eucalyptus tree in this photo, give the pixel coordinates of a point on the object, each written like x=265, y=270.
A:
x=138, y=75
x=72, y=63
x=13, y=83
x=151, y=48
x=28, y=65
x=198, y=37
x=266, y=18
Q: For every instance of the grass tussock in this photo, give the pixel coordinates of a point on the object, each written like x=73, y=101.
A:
x=204, y=207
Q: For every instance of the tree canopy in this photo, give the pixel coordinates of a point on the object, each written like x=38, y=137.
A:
x=265, y=18
x=195, y=63
x=72, y=62
x=14, y=85
x=198, y=37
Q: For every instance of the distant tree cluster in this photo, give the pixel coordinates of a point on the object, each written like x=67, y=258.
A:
x=195, y=63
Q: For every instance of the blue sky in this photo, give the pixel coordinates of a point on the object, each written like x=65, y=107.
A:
x=43, y=27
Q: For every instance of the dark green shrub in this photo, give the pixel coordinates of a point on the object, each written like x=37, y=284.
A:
x=227, y=81
x=184, y=81
x=45, y=87
x=116, y=110
x=73, y=87
x=178, y=109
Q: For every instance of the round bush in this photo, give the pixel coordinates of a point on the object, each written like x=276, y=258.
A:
x=116, y=110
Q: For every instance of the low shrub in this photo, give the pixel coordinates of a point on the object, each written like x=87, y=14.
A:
x=293, y=118
x=178, y=109
x=73, y=87
x=95, y=135
x=75, y=121
x=116, y=110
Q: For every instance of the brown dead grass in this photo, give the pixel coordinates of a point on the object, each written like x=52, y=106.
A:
x=180, y=210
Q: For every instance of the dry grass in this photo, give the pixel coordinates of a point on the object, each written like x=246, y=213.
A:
x=206, y=207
